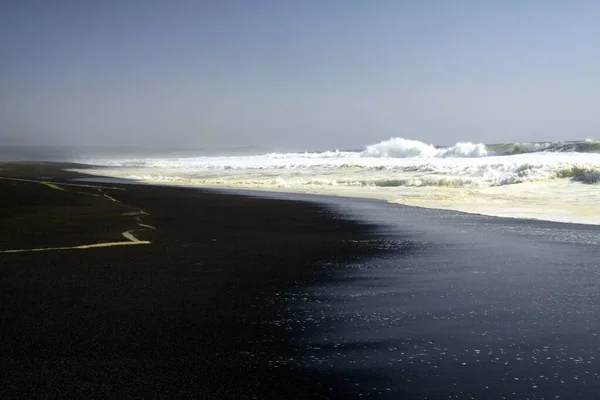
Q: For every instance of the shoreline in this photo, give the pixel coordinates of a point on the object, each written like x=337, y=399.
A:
x=186, y=315
x=510, y=201
x=243, y=295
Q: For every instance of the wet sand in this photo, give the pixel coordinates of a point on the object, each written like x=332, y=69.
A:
x=233, y=297
x=183, y=316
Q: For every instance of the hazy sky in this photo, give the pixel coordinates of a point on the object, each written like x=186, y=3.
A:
x=298, y=74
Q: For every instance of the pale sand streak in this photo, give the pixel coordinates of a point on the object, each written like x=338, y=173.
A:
x=61, y=184
x=52, y=186
x=132, y=240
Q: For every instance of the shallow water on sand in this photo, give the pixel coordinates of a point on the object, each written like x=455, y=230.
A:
x=453, y=306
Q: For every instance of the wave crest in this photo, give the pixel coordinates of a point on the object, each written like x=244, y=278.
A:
x=405, y=148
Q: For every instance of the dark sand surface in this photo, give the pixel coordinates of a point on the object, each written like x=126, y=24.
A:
x=182, y=317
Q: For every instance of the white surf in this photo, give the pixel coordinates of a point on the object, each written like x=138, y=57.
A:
x=556, y=181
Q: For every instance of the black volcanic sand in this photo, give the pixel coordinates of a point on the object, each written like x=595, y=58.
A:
x=183, y=317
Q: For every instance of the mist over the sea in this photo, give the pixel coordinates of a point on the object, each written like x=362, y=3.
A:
x=307, y=76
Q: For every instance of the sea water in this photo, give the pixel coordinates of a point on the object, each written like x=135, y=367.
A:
x=448, y=304
x=556, y=181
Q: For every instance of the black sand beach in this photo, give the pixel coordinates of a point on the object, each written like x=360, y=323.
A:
x=185, y=316
x=213, y=294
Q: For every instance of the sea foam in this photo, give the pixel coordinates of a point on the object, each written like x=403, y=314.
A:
x=404, y=148
x=396, y=169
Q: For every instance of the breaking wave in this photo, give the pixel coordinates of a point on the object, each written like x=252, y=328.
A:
x=393, y=148
x=404, y=148
x=396, y=162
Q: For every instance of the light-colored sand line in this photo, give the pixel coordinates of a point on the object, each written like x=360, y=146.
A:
x=130, y=214
x=111, y=198
x=147, y=226
x=129, y=236
x=131, y=239
x=139, y=221
x=47, y=183
x=52, y=186
x=83, y=247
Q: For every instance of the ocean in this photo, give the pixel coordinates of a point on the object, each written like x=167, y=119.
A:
x=450, y=301
x=556, y=181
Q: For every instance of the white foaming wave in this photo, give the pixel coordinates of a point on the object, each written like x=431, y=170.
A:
x=394, y=148
x=271, y=160
x=554, y=185
x=391, y=163
x=307, y=155
x=464, y=149
x=382, y=155
x=354, y=170
x=405, y=148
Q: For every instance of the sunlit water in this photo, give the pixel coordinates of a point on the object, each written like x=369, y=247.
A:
x=454, y=306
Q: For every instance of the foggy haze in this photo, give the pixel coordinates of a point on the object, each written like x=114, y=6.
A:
x=301, y=75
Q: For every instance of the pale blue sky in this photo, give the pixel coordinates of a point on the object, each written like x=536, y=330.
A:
x=298, y=74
